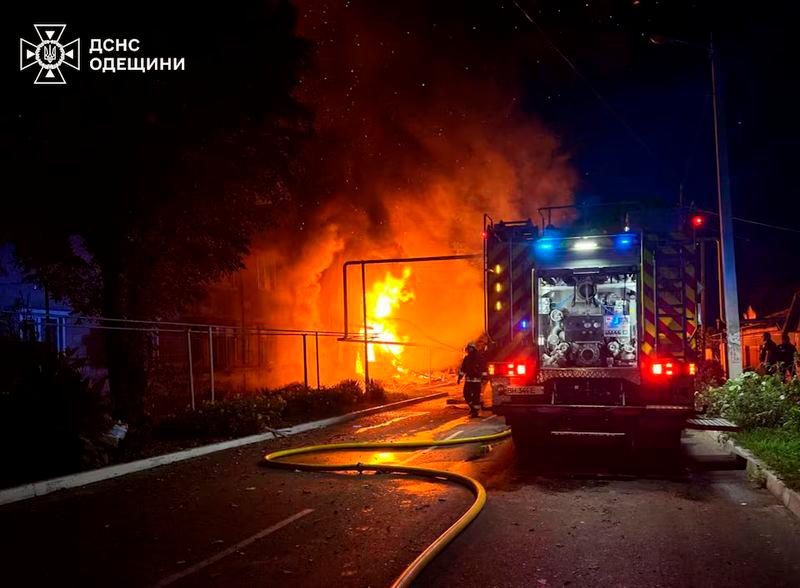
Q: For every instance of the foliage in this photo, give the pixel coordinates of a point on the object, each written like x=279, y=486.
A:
x=778, y=448
x=710, y=375
x=301, y=401
x=233, y=417
x=52, y=417
x=754, y=400
x=252, y=413
x=767, y=408
x=375, y=391
x=165, y=381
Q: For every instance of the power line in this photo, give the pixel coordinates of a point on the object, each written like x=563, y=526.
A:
x=627, y=127
x=752, y=222
x=769, y=226
x=594, y=91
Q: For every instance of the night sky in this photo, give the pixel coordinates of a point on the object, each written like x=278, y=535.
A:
x=662, y=92
x=634, y=123
x=635, y=119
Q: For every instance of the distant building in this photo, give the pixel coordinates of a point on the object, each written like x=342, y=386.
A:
x=785, y=321
x=24, y=309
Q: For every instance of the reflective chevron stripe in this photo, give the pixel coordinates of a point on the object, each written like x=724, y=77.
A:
x=509, y=285
x=675, y=297
x=648, y=302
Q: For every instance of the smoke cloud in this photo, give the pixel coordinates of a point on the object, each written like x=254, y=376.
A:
x=419, y=130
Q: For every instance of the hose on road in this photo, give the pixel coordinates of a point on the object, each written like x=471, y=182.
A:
x=277, y=460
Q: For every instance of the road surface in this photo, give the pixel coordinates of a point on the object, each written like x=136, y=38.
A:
x=578, y=516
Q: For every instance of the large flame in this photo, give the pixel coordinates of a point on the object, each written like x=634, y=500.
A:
x=382, y=300
x=412, y=144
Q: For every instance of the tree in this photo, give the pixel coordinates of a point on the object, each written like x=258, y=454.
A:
x=136, y=190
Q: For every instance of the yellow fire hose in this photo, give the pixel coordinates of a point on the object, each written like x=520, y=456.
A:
x=415, y=567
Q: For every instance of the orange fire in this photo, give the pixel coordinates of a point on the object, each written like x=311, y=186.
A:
x=382, y=300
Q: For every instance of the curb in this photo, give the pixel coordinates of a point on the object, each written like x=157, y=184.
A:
x=788, y=497
x=34, y=489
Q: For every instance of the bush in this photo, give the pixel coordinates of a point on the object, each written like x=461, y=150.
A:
x=52, y=417
x=753, y=401
x=375, y=391
x=253, y=413
x=710, y=375
x=238, y=416
x=302, y=401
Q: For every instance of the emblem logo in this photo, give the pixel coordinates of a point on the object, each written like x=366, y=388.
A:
x=49, y=54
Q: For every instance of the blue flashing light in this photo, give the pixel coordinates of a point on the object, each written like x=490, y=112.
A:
x=625, y=241
x=545, y=245
x=523, y=324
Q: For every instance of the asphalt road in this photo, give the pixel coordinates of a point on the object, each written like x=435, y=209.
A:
x=582, y=515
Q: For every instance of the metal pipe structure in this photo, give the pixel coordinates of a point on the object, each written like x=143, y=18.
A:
x=78, y=319
x=364, y=308
x=316, y=354
x=191, y=371
x=211, y=362
x=627, y=204
x=305, y=363
x=360, y=339
x=365, y=262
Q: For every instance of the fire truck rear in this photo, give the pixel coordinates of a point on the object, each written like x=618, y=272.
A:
x=594, y=333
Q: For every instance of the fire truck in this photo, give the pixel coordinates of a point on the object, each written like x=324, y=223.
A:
x=593, y=332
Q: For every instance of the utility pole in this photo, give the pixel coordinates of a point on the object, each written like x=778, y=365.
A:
x=732, y=328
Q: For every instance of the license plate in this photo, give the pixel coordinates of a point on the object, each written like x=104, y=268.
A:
x=525, y=390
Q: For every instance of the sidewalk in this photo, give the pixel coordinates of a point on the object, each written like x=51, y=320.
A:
x=34, y=489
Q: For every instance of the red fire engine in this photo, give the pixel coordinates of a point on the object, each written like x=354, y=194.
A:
x=593, y=333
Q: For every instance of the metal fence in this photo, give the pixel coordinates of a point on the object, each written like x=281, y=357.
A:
x=191, y=363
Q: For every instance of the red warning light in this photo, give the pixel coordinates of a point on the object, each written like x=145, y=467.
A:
x=698, y=221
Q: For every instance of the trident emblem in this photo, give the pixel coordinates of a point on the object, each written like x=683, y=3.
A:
x=49, y=54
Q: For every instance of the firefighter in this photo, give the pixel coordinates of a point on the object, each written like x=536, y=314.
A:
x=786, y=352
x=768, y=353
x=473, y=371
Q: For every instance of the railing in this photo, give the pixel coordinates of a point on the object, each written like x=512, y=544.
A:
x=196, y=357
